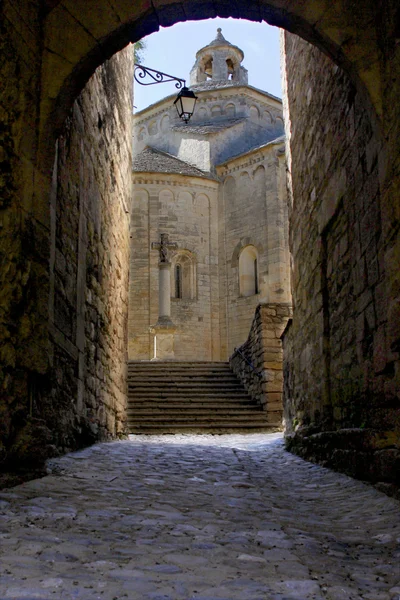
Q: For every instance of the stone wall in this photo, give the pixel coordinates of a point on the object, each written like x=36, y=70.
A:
x=24, y=241
x=258, y=362
x=252, y=212
x=212, y=218
x=74, y=393
x=341, y=354
x=253, y=118
x=186, y=209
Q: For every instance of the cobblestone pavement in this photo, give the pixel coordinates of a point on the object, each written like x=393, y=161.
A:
x=197, y=517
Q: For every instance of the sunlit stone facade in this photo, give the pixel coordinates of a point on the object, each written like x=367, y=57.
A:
x=217, y=187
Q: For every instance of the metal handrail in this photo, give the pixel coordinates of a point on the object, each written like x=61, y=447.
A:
x=238, y=351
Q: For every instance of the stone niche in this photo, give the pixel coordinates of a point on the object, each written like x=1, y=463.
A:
x=341, y=351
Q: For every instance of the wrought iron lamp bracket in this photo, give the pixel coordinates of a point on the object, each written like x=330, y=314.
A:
x=141, y=73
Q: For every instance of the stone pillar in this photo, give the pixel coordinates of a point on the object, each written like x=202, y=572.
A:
x=164, y=329
x=164, y=290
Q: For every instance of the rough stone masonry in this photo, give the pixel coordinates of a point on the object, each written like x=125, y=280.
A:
x=77, y=392
x=341, y=351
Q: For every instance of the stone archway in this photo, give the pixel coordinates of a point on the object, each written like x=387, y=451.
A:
x=50, y=54
x=77, y=38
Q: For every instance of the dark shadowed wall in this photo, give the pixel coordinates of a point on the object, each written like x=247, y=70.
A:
x=74, y=393
x=342, y=348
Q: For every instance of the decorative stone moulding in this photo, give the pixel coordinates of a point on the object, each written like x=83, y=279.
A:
x=164, y=325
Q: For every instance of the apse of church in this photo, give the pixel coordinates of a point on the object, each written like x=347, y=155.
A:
x=216, y=187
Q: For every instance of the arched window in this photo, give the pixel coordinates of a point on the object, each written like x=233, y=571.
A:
x=153, y=127
x=230, y=110
x=231, y=68
x=254, y=113
x=184, y=275
x=165, y=123
x=248, y=271
x=202, y=114
x=208, y=68
x=141, y=134
x=216, y=111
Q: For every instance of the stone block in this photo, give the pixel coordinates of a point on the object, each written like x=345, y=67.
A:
x=379, y=350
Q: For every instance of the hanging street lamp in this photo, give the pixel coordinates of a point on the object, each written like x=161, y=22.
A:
x=185, y=100
x=185, y=103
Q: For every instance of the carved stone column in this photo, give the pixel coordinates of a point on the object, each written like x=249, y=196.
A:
x=164, y=329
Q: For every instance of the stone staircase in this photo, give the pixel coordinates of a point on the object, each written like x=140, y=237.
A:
x=172, y=397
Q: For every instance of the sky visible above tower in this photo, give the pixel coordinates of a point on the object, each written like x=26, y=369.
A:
x=173, y=50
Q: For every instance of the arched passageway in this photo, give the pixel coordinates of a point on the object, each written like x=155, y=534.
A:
x=79, y=38
x=52, y=48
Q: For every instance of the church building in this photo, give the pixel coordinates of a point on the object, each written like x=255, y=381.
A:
x=209, y=222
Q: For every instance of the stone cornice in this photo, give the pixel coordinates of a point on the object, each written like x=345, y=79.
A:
x=205, y=96
x=174, y=181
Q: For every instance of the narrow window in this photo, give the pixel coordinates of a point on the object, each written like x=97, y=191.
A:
x=255, y=276
x=208, y=69
x=231, y=69
x=178, y=281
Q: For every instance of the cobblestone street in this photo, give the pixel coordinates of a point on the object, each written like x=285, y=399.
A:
x=197, y=517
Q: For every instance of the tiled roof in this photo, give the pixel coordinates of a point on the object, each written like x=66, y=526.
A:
x=213, y=84
x=219, y=41
x=278, y=140
x=151, y=160
x=208, y=126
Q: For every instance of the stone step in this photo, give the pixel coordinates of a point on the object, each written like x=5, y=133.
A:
x=183, y=376
x=185, y=381
x=186, y=390
x=216, y=427
x=174, y=422
x=198, y=396
x=193, y=403
x=185, y=387
x=180, y=417
x=196, y=410
x=190, y=396
x=181, y=370
x=177, y=363
x=218, y=367
x=181, y=373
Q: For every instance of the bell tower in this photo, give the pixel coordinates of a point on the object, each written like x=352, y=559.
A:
x=219, y=63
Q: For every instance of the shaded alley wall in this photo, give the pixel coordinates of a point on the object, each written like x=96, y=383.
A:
x=342, y=372
x=74, y=393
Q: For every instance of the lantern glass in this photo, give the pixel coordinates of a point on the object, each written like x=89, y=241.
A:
x=185, y=103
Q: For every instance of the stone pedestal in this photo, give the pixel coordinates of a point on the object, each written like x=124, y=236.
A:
x=163, y=331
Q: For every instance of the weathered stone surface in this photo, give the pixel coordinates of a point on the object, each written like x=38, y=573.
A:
x=341, y=350
x=234, y=199
x=258, y=362
x=208, y=517
x=74, y=392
